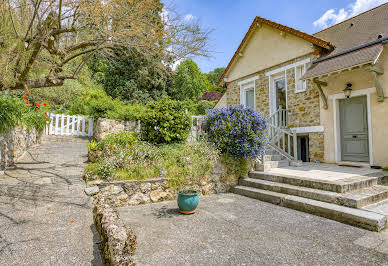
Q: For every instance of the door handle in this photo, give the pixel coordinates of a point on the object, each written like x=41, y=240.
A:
x=354, y=136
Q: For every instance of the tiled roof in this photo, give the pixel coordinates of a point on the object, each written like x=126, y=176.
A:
x=351, y=59
x=348, y=35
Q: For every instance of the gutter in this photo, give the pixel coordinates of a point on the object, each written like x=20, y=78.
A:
x=381, y=40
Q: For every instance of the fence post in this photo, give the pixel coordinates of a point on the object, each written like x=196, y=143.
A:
x=90, y=130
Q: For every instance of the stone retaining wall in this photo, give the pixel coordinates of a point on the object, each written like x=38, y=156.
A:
x=133, y=192
x=15, y=142
x=103, y=127
x=117, y=241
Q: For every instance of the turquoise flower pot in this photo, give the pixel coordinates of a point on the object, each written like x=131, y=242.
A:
x=187, y=201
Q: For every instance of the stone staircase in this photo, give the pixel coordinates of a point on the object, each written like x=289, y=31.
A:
x=344, y=200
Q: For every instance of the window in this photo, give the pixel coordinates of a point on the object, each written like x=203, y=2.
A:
x=248, y=95
x=281, y=94
x=300, y=85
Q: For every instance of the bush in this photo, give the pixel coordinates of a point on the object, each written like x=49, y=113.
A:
x=165, y=121
x=237, y=131
x=121, y=139
x=199, y=108
x=14, y=112
x=211, y=96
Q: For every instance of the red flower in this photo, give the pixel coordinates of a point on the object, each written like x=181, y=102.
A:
x=27, y=93
x=37, y=109
x=40, y=99
x=47, y=119
x=37, y=104
x=44, y=104
x=25, y=97
x=51, y=102
x=45, y=113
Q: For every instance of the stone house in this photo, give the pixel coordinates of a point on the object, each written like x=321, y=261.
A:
x=325, y=93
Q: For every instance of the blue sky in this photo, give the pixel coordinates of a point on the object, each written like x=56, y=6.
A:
x=230, y=19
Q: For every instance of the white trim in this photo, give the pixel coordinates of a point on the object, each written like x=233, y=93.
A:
x=310, y=129
x=283, y=68
x=378, y=56
x=245, y=87
x=337, y=140
x=248, y=80
x=299, y=79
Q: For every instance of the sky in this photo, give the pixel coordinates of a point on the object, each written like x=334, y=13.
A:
x=230, y=19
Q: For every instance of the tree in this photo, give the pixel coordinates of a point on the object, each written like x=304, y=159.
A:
x=131, y=76
x=214, y=75
x=188, y=83
x=45, y=42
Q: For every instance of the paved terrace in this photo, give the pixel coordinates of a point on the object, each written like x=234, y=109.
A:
x=326, y=172
x=229, y=229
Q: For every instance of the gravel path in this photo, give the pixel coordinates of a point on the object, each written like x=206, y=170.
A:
x=45, y=218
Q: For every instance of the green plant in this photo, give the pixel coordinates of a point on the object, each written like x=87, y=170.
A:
x=165, y=121
x=385, y=168
x=92, y=145
x=10, y=112
x=238, y=167
x=121, y=139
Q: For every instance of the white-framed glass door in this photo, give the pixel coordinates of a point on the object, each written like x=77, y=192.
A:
x=278, y=93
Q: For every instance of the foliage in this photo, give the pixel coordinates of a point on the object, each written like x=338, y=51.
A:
x=121, y=139
x=237, y=131
x=183, y=164
x=385, y=168
x=14, y=112
x=165, y=121
x=211, y=96
x=214, y=75
x=199, y=108
x=188, y=83
x=92, y=145
x=94, y=102
x=131, y=75
x=46, y=42
x=236, y=166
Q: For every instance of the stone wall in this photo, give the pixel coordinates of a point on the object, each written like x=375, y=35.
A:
x=304, y=106
x=133, y=192
x=103, y=127
x=117, y=241
x=316, y=147
x=15, y=142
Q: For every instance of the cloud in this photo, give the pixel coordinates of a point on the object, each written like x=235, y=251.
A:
x=189, y=17
x=331, y=16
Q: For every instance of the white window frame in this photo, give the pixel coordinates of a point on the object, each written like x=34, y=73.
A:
x=246, y=85
x=300, y=85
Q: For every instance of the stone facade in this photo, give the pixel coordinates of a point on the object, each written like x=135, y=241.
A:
x=15, y=142
x=316, y=147
x=304, y=106
x=103, y=127
x=133, y=192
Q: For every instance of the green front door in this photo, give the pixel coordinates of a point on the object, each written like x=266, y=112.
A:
x=354, y=129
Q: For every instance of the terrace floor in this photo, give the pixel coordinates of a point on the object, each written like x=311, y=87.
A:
x=230, y=229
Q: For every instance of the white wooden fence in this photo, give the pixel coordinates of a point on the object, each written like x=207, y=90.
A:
x=70, y=125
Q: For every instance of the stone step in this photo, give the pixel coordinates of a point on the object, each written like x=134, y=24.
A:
x=358, y=217
x=354, y=199
x=364, y=197
x=272, y=158
x=268, y=165
x=339, y=186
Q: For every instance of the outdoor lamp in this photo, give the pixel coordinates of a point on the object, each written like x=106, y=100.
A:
x=348, y=90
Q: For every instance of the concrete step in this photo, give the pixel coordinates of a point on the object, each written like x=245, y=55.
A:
x=339, y=186
x=354, y=199
x=268, y=165
x=358, y=217
x=364, y=197
x=272, y=158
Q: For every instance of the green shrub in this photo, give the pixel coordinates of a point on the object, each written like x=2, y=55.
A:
x=121, y=139
x=165, y=121
x=14, y=112
x=199, y=108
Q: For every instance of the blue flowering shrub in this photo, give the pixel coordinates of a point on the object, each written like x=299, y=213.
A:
x=236, y=131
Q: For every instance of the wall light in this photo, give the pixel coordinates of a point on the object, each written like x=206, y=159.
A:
x=348, y=90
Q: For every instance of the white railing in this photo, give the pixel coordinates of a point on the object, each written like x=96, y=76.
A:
x=280, y=137
x=70, y=125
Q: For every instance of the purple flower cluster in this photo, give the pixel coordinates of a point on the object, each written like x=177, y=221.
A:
x=236, y=130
